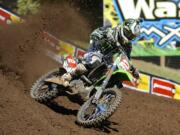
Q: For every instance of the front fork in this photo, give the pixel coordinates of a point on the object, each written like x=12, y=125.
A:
x=105, y=83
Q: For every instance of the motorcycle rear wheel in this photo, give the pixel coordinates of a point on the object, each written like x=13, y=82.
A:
x=40, y=91
x=94, y=118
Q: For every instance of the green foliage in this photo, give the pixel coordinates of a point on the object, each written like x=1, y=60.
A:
x=139, y=50
x=27, y=6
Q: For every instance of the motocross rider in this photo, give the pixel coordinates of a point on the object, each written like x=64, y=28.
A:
x=106, y=41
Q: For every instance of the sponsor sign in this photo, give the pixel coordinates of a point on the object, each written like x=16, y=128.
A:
x=162, y=87
x=144, y=83
x=66, y=48
x=52, y=40
x=79, y=52
x=7, y=17
x=161, y=26
x=177, y=93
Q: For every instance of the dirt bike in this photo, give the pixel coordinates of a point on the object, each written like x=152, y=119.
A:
x=100, y=88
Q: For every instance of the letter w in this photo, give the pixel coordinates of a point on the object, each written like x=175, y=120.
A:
x=130, y=10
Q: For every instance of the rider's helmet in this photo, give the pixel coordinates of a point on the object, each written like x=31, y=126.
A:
x=130, y=29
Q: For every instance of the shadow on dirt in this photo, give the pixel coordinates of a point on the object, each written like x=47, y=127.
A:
x=61, y=109
x=74, y=98
x=107, y=127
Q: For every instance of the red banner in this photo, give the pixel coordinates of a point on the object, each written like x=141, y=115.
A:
x=79, y=52
x=162, y=87
x=7, y=17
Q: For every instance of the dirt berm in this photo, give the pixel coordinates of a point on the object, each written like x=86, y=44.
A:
x=22, y=61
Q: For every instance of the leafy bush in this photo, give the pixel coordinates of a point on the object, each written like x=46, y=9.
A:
x=25, y=7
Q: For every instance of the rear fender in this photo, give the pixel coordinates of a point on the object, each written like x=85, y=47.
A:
x=56, y=78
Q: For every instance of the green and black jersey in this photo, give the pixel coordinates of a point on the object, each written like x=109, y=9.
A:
x=105, y=40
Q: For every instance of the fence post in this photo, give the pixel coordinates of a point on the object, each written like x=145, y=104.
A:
x=162, y=61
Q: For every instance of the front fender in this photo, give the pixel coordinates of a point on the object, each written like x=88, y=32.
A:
x=122, y=75
x=119, y=75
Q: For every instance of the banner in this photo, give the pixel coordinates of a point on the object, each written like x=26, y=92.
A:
x=160, y=33
x=177, y=93
x=162, y=87
x=7, y=17
x=66, y=48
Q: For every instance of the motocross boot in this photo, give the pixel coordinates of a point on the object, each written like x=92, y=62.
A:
x=65, y=79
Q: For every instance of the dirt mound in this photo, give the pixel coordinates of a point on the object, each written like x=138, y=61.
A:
x=21, y=45
x=22, y=61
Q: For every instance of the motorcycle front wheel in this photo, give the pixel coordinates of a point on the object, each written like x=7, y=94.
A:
x=91, y=114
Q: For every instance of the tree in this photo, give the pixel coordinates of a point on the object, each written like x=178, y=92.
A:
x=27, y=6
x=10, y=4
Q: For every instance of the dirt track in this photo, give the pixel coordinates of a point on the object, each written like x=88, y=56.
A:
x=22, y=61
x=139, y=114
